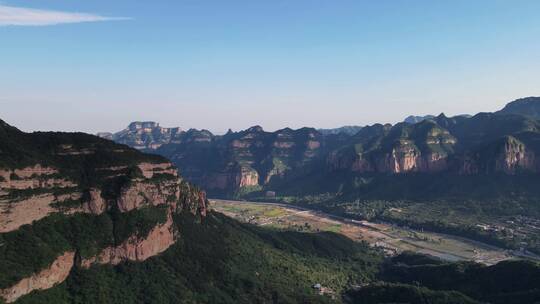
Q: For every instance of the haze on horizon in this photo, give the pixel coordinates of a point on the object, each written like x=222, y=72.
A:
x=98, y=65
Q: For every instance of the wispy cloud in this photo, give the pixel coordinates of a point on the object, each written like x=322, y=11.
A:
x=20, y=16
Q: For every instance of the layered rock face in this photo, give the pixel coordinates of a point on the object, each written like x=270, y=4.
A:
x=45, y=279
x=245, y=159
x=39, y=195
x=507, y=155
x=237, y=160
x=143, y=135
x=135, y=248
x=32, y=177
x=483, y=144
x=423, y=147
x=65, y=177
x=515, y=156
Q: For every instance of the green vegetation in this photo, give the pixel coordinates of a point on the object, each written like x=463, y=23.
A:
x=506, y=282
x=274, y=212
x=16, y=195
x=447, y=174
x=220, y=260
x=34, y=247
x=67, y=204
x=137, y=222
x=76, y=155
x=243, y=191
x=402, y=293
x=498, y=209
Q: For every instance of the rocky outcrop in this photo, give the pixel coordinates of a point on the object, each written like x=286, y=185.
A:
x=95, y=203
x=144, y=135
x=69, y=173
x=246, y=178
x=45, y=279
x=15, y=214
x=202, y=204
x=405, y=148
x=23, y=209
x=28, y=195
x=91, y=201
x=507, y=155
x=32, y=177
x=236, y=178
x=411, y=160
x=150, y=169
x=515, y=157
x=135, y=248
x=403, y=159
x=140, y=193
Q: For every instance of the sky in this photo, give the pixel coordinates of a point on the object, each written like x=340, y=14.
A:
x=97, y=65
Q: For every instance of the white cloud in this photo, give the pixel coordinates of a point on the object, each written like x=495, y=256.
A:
x=10, y=15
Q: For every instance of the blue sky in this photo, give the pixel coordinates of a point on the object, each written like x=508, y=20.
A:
x=232, y=64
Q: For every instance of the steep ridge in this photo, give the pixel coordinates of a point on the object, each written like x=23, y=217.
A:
x=73, y=200
x=245, y=160
x=252, y=162
x=422, y=147
x=528, y=106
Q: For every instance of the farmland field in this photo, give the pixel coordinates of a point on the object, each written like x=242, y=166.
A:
x=391, y=238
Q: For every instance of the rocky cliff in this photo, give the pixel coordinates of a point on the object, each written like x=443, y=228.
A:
x=82, y=201
x=143, y=135
x=422, y=147
x=245, y=160
x=47, y=278
x=254, y=160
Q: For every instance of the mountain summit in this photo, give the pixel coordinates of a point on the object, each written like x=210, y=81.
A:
x=528, y=106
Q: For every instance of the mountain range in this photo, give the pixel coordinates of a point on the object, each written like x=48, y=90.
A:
x=86, y=220
x=253, y=159
x=488, y=164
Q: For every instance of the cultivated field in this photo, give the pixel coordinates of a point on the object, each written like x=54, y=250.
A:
x=391, y=238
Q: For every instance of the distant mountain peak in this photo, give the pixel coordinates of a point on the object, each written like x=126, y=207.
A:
x=528, y=106
x=412, y=119
x=256, y=129
x=442, y=115
x=136, y=125
x=348, y=130
x=143, y=135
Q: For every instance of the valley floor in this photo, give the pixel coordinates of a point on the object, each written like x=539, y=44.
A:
x=393, y=239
